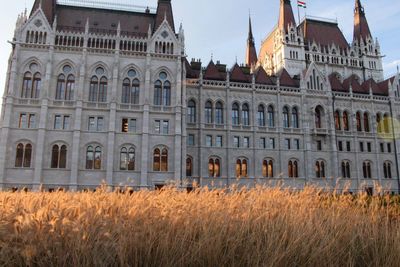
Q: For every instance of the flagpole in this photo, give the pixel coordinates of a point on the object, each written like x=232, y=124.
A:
x=298, y=12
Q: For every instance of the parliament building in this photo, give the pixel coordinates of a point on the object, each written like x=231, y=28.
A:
x=101, y=93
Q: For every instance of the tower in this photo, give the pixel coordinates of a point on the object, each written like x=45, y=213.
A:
x=251, y=54
x=368, y=49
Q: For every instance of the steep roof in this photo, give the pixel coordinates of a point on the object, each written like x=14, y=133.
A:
x=383, y=87
x=192, y=69
x=361, y=27
x=262, y=77
x=353, y=81
x=237, y=75
x=336, y=85
x=286, y=80
x=251, y=54
x=48, y=7
x=212, y=73
x=286, y=17
x=323, y=33
x=164, y=11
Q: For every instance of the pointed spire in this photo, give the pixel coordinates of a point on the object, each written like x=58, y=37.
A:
x=286, y=17
x=361, y=27
x=164, y=12
x=251, y=54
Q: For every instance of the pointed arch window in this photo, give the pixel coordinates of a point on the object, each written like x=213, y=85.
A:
x=131, y=89
x=367, y=170
x=191, y=115
x=286, y=122
x=387, y=170
x=245, y=115
x=241, y=168
x=318, y=117
x=320, y=169
x=219, y=113
x=268, y=169
x=346, y=125
x=93, y=158
x=31, y=85
x=160, y=160
x=235, y=114
x=386, y=123
x=293, y=171
x=59, y=157
x=189, y=167
x=98, y=87
x=346, y=171
x=65, y=84
x=127, y=159
x=338, y=125
x=214, y=168
x=358, y=122
x=208, y=112
x=162, y=90
x=23, y=156
x=261, y=116
x=271, y=116
x=366, y=122
x=295, y=118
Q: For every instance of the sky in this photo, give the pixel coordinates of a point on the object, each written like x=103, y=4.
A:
x=219, y=28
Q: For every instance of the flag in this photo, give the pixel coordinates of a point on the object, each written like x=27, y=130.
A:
x=301, y=4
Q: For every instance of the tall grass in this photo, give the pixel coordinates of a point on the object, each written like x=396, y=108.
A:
x=258, y=227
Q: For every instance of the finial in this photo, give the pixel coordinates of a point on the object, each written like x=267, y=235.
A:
x=398, y=69
x=212, y=56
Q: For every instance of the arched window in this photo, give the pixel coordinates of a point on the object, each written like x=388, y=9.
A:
x=93, y=158
x=189, y=167
x=27, y=156
x=208, y=112
x=55, y=152
x=214, y=168
x=131, y=88
x=286, y=123
x=89, y=158
x=320, y=169
x=235, y=114
x=19, y=158
x=318, y=117
x=379, y=122
x=31, y=85
x=338, y=125
x=241, y=168
x=245, y=115
x=65, y=87
x=98, y=86
x=127, y=159
x=191, y=113
x=59, y=157
x=387, y=170
x=97, y=158
x=219, y=113
x=346, y=170
x=386, y=123
x=160, y=160
x=295, y=118
x=268, y=169
x=367, y=170
x=293, y=171
x=271, y=116
x=162, y=90
x=358, y=121
x=346, y=126
x=261, y=116
x=366, y=122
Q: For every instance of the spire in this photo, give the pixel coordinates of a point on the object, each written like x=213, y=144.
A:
x=361, y=28
x=164, y=12
x=286, y=17
x=251, y=54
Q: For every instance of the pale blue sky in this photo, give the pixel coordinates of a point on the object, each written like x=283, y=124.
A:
x=219, y=27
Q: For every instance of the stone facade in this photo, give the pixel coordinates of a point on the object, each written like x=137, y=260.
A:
x=86, y=105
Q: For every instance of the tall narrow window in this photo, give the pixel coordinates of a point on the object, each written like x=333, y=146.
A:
x=386, y=123
x=167, y=94
x=189, y=167
x=211, y=168
x=55, y=157
x=157, y=160
x=89, y=158
x=367, y=170
x=70, y=88
x=94, y=89
x=157, y=93
x=245, y=115
x=219, y=113
x=346, y=121
x=379, y=122
x=214, y=168
x=63, y=157
x=366, y=122
x=286, y=123
x=318, y=117
x=164, y=160
x=238, y=168
x=27, y=86
x=191, y=115
x=65, y=86
x=135, y=92
x=36, y=86
x=98, y=86
x=127, y=159
x=338, y=125
x=235, y=114
x=358, y=121
x=162, y=90
x=208, y=112
x=27, y=156
x=268, y=169
x=60, y=93
x=126, y=91
x=103, y=90
x=261, y=116
x=19, y=156
x=97, y=158
x=295, y=118
x=271, y=116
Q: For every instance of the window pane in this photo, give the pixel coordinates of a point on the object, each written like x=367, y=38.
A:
x=157, y=126
x=131, y=158
x=19, y=155
x=27, y=156
x=123, y=159
x=89, y=158
x=23, y=121
x=92, y=124
x=57, y=122
x=100, y=124
x=54, y=157
x=97, y=159
x=164, y=161
x=165, y=127
x=132, y=125
x=156, y=160
x=66, y=122
x=63, y=157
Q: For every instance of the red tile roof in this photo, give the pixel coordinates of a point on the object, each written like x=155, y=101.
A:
x=237, y=75
x=262, y=77
x=353, y=81
x=323, y=33
x=336, y=85
x=212, y=73
x=286, y=17
x=286, y=80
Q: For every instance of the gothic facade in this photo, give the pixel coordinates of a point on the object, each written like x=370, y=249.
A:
x=106, y=95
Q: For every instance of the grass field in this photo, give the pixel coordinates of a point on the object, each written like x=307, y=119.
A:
x=259, y=227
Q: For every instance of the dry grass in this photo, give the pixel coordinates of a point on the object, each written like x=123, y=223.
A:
x=260, y=227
